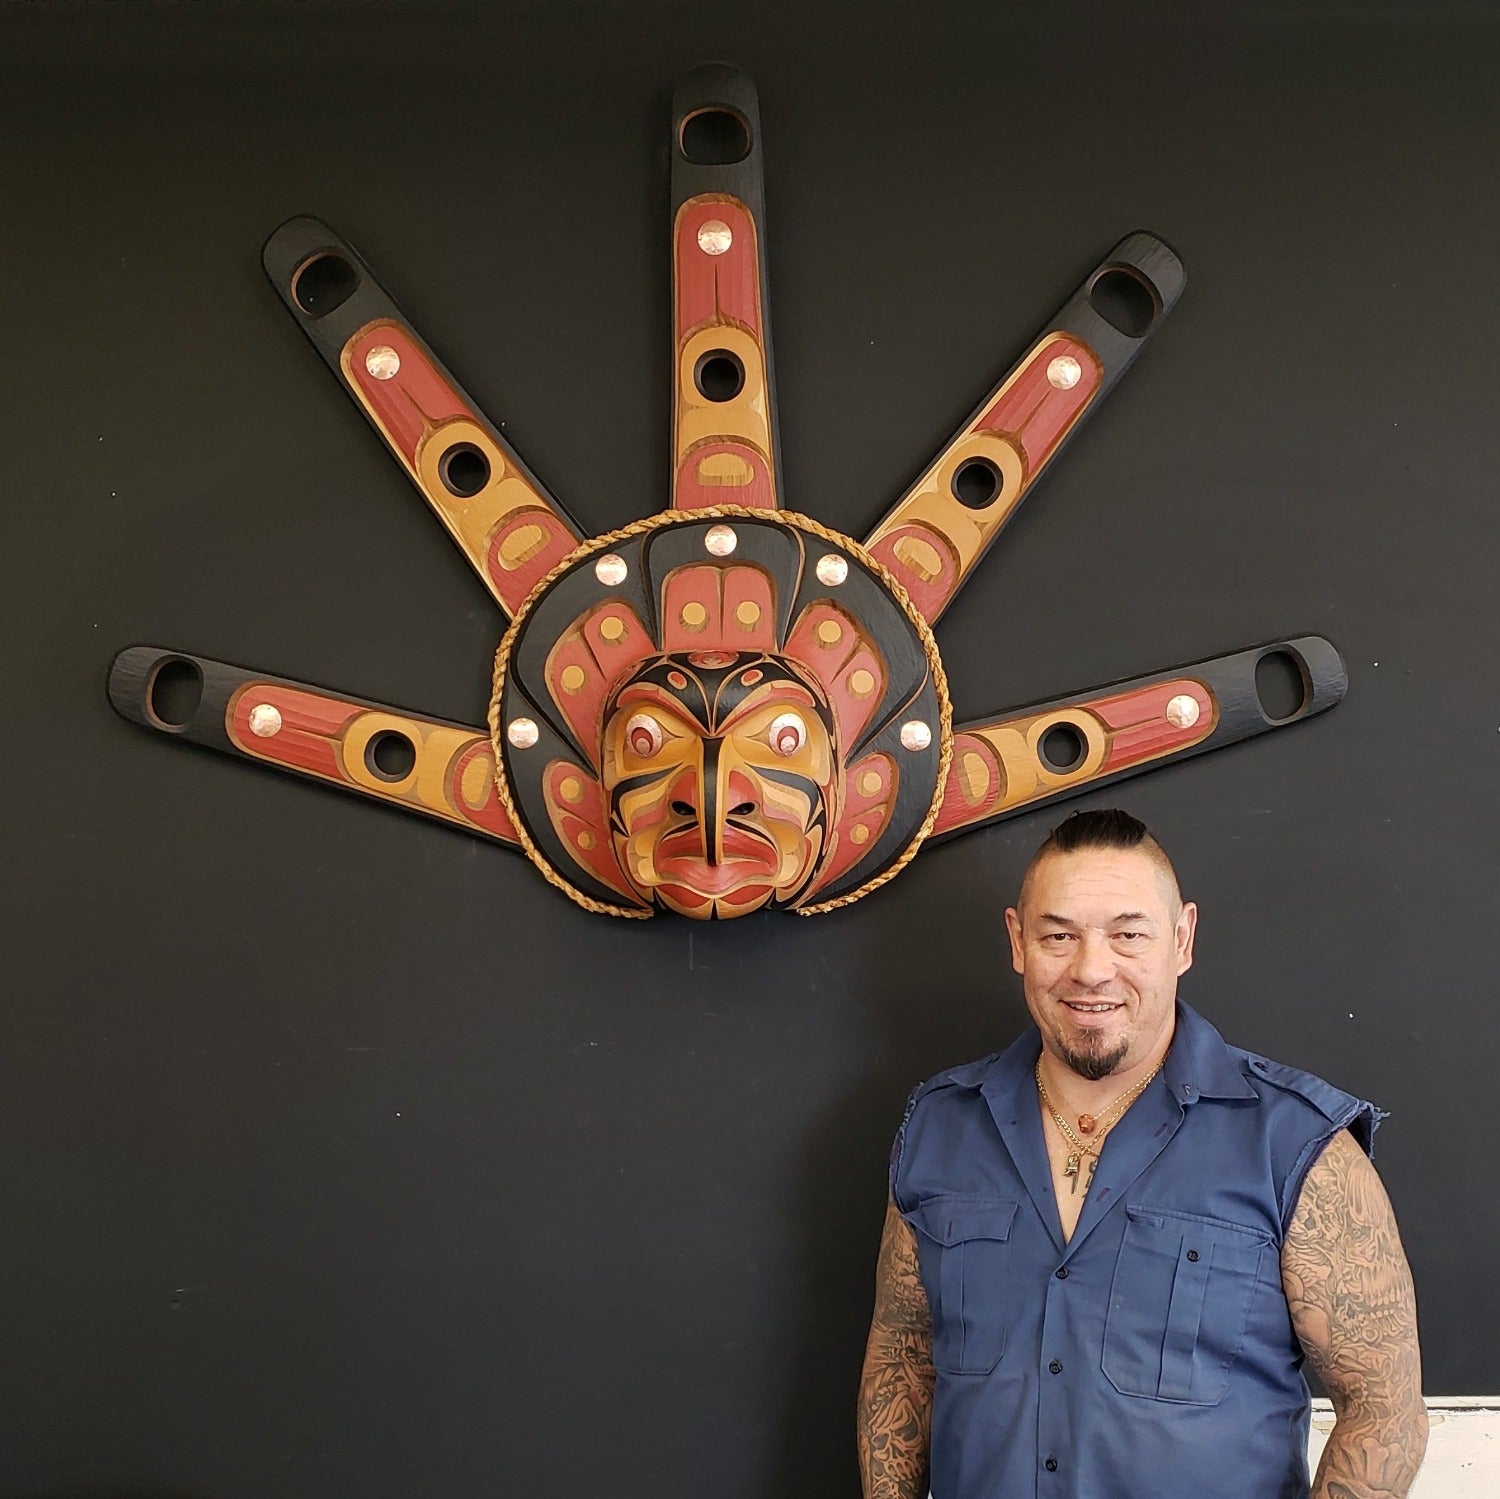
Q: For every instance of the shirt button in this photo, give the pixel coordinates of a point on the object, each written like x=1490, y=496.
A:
x=1062, y=1273
x=1193, y=1255
x=1055, y=1366
x=1050, y=1465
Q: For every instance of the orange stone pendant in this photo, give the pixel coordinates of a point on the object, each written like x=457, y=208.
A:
x=1086, y=1123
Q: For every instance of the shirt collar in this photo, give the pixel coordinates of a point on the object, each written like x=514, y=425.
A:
x=1199, y=1063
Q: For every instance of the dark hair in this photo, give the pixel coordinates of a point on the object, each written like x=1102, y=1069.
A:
x=1101, y=827
x=1104, y=827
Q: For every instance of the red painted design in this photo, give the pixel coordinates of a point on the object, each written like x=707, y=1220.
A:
x=513, y=584
x=833, y=665
x=1141, y=728
x=415, y=399
x=602, y=661
x=929, y=596
x=958, y=809
x=586, y=818
x=716, y=288
x=492, y=816
x=310, y=726
x=869, y=810
x=1033, y=410
x=719, y=594
x=691, y=493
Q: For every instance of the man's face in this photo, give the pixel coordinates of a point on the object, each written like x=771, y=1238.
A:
x=1100, y=943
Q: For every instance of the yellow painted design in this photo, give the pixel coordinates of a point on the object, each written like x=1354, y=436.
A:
x=585, y=840
x=861, y=683
x=571, y=790
x=521, y=546
x=612, y=628
x=830, y=632
x=694, y=616
x=921, y=557
x=748, y=614
x=859, y=833
x=870, y=782
x=725, y=469
x=974, y=777
x=478, y=778
x=573, y=678
x=930, y=501
x=471, y=522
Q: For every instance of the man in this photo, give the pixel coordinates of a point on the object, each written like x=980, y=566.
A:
x=1109, y=1247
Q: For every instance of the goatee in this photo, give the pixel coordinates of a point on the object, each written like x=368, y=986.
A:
x=1095, y=1062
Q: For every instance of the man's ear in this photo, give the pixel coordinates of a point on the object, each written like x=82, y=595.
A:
x=1187, y=929
x=1017, y=952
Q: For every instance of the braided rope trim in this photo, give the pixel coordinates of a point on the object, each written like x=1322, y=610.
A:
x=660, y=521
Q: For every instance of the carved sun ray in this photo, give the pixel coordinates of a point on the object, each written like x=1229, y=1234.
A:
x=727, y=705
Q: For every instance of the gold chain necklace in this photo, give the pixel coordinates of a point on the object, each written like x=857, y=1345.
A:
x=1100, y=1127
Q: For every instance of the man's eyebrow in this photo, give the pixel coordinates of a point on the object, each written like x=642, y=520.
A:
x=1140, y=918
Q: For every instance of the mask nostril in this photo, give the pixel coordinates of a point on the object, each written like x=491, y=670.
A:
x=684, y=809
x=743, y=810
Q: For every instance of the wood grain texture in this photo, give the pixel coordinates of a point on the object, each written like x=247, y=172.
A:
x=932, y=539
x=341, y=741
x=501, y=517
x=724, y=446
x=1008, y=764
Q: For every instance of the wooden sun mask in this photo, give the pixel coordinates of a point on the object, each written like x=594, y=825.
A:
x=725, y=706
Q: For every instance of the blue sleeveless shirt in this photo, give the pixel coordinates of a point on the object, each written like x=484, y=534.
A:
x=1152, y=1355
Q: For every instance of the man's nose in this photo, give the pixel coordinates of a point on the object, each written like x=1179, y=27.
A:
x=1093, y=960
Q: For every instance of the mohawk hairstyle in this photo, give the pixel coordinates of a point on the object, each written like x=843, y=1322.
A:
x=1101, y=827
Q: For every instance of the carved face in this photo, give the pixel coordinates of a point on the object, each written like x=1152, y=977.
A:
x=720, y=772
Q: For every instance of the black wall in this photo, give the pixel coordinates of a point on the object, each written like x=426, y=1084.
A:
x=342, y=1156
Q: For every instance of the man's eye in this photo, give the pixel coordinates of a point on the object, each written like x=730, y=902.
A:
x=1130, y=936
x=1057, y=939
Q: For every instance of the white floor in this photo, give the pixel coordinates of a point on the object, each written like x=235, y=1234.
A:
x=1463, y=1449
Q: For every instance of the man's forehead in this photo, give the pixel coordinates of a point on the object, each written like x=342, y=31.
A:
x=1103, y=884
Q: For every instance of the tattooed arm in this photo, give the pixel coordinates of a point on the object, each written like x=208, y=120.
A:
x=895, y=1391
x=1350, y=1295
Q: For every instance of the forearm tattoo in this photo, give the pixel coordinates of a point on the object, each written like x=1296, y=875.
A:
x=895, y=1392
x=1350, y=1295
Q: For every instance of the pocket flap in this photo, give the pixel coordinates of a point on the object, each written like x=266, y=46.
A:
x=953, y=1220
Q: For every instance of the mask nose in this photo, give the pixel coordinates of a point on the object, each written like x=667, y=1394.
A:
x=712, y=791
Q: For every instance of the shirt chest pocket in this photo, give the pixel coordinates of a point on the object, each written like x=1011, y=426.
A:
x=964, y=1247
x=1180, y=1304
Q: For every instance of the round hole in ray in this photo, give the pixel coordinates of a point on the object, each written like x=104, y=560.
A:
x=1125, y=300
x=390, y=755
x=1280, y=685
x=323, y=283
x=1063, y=748
x=976, y=483
x=174, y=692
x=464, y=470
x=714, y=137
x=719, y=375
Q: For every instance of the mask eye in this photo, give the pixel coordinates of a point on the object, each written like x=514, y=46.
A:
x=644, y=735
x=787, y=734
